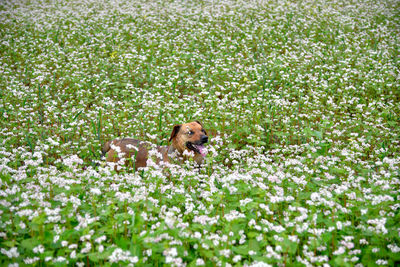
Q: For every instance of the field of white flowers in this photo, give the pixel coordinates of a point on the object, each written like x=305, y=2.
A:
x=300, y=99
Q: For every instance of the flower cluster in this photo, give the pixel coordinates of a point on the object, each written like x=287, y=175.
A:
x=300, y=100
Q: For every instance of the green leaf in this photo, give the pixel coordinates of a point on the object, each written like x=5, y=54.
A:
x=207, y=253
x=317, y=134
x=5, y=178
x=30, y=243
x=252, y=234
x=243, y=250
x=9, y=244
x=96, y=257
x=340, y=261
x=260, y=259
x=254, y=245
x=326, y=237
x=39, y=219
x=289, y=246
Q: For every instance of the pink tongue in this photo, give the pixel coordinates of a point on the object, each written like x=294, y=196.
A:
x=202, y=150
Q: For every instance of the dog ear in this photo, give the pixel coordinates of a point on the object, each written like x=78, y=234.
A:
x=202, y=126
x=175, y=132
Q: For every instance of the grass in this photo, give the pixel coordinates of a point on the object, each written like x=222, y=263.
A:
x=300, y=99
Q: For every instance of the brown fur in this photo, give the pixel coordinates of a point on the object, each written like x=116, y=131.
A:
x=136, y=152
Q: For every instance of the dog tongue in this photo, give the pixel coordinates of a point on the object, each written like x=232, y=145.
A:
x=202, y=150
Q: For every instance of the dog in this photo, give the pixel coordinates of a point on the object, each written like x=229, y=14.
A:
x=187, y=140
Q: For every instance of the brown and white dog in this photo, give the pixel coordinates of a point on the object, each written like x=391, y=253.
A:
x=187, y=140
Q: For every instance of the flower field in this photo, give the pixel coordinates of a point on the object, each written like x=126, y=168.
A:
x=301, y=100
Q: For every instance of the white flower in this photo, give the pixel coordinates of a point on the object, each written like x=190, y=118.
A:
x=200, y=262
x=87, y=248
x=225, y=252
x=31, y=260
x=339, y=251
x=188, y=153
x=152, y=136
x=259, y=264
x=381, y=262
x=170, y=219
x=59, y=259
x=149, y=252
x=394, y=248
x=121, y=255
x=100, y=239
x=364, y=211
x=172, y=252
x=252, y=222
x=22, y=225
x=234, y=214
x=236, y=258
x=73, y=254
x=12, y=253
x=38, y=249
x=73, y=246
x=95, y=191
x=243, y=202
x=72, y=160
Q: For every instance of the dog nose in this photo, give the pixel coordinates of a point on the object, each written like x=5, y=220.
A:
x=204, y=139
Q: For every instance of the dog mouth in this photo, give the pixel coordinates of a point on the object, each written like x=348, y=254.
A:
x=197, y=148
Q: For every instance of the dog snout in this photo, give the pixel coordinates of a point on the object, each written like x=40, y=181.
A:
x=204, y=139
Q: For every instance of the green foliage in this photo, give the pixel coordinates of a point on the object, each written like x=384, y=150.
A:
x=300, y=100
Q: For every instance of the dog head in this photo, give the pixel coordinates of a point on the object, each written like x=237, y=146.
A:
x=189, y=136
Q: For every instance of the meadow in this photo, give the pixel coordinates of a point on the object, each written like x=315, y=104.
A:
x=300, y=100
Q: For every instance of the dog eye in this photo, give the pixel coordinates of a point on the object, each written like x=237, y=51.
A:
x=190, y=133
